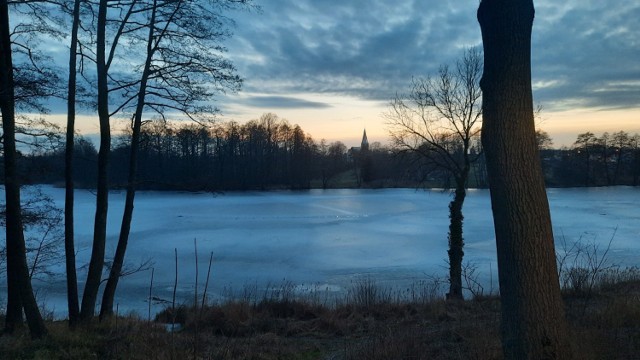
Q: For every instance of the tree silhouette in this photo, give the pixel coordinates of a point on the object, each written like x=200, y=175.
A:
x=439, y=122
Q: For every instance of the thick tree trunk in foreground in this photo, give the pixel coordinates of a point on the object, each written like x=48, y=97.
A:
x=69, y=246
x=533, y=319
x=96, y=263
x=20, y=293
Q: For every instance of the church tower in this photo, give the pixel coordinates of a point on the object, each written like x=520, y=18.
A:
x=364, y=146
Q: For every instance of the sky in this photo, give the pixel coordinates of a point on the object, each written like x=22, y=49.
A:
x=332, y=66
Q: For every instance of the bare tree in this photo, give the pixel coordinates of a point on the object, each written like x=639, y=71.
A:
x=20, y=293
x=584, y=145
x=634, y=147
x=603, y=144
x=543, y=140
x=182, y=68
x=439, y=120
x=533, y=319
x=621, y=142
x=96, y=263
x=42, y=222
x=69, y=243
x=334, y=161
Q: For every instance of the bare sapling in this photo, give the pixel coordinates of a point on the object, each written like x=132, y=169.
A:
x=173, y=305
x=150, y=295
x=206, y=284
x=583, y=264
x=195, y=304
x=195, y=286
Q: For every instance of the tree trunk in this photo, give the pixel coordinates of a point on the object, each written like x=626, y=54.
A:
x=13, y=316
x=587, y=179
x=106, y=308
x=533, y=319
x=636, y=168
x=605, y=160
x=456, y=241
x=616, y=172
x=69, y=246
x=19, y=291
x=96, y=263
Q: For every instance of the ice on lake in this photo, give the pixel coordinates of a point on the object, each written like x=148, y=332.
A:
x=320, y=238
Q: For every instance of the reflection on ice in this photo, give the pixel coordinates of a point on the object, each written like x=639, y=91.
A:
x=322, y=238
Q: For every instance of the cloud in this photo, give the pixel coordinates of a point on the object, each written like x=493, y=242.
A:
x=282, y=102
x=584, y=53
x=371, y=49
x=588, y=48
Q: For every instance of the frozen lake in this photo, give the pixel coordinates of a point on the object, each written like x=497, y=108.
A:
x=320, y=238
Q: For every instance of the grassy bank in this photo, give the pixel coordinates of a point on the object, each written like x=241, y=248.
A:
x=368, y=323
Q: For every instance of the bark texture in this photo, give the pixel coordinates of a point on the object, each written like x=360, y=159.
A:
x=533, y=319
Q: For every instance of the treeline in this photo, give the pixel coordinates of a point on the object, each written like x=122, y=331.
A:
x=605, y=160
x=262, y=154
x=270, y=153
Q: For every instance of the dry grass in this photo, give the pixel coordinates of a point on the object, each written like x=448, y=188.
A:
x=369, y=323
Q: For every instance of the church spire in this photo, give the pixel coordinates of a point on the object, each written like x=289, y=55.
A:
x=364, y=146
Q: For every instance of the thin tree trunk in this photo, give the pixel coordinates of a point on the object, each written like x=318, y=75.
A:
x=533, y=319
x=616, y=173
x=96, y=263
x=636, y=171
x=587, y=179
x=20, y=293
x=456, y=241
x=106, y=308
x=69, y=246
x=605, y=156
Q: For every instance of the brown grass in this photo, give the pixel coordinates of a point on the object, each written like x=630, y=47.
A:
x=370, y=323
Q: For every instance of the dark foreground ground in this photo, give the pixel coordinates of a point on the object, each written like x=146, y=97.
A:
x=370, y=323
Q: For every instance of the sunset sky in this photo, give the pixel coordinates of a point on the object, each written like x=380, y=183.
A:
x=333, y=65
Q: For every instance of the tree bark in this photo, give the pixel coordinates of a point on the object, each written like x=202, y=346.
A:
x=533, y=319
x=96, y=263
x=20, y=293
x=69, y=246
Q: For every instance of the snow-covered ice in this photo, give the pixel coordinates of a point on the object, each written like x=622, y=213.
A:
x=321, y=238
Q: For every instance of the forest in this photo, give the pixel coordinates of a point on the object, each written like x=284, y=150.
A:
x=270, y=153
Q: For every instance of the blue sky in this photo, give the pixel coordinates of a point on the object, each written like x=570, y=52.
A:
x=332, y=66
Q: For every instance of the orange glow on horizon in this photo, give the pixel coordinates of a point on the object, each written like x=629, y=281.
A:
x=564, y=126
x=346, y=118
